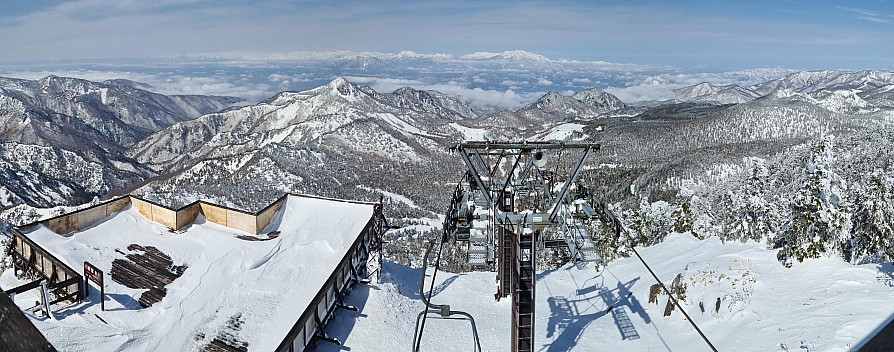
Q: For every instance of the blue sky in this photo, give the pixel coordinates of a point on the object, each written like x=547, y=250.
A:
x=690, y=34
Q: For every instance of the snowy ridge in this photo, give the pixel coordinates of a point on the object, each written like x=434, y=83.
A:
x=64, y=138
x=868, y=85
x=339, y=110
x=706, y=92
x=583, y=105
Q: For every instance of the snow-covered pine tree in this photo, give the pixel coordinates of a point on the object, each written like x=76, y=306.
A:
x=819, y=222
x=753, y=216
x=650, y=223
x=683, y=218
x=872, y=231
x=640, y=221
x=691, y=213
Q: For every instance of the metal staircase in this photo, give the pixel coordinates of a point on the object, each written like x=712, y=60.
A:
x=506, y=265
x=478, y=248
x=524, y=292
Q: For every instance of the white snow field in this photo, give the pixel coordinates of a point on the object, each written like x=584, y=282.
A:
x=251, y=291
x=820, y=305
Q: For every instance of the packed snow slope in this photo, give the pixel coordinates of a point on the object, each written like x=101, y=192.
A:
x=248, y=291
x=822, y=304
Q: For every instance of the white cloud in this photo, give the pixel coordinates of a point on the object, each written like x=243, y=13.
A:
x=509, y=82
x=491, y=87
x=867, y=15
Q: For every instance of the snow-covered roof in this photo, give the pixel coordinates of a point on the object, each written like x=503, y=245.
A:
x=231, y=288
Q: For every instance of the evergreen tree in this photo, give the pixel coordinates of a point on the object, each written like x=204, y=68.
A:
x=872, y=233
x=683, y=217
x=641, y=224
x=818, y=221
x=691, y=213
x=753, y=216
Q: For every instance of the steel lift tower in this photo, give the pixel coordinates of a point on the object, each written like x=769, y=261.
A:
x=508, y=204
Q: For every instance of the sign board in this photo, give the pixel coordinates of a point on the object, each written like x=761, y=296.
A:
x=93, y=273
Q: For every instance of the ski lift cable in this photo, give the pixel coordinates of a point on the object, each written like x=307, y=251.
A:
x=619, y=228
x=671, y=297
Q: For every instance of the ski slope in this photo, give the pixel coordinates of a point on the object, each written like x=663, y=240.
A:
x=247, y=292
x=822, y=304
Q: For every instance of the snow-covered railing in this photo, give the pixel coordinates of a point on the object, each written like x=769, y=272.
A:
x=28, y=257
x=351, y=269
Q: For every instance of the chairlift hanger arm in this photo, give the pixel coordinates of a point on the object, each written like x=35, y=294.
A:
x=481, y=163
x=509, y=175
x=571, y=179
x=485, y=192
x=493, y=170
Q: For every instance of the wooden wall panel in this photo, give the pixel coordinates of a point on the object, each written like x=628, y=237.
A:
x=241, y=221
x=90, y=216
x=164, y=216
x=187, y=215
x=63, y=224
x=214, y=213
x=266, y=215
x=142, y=206
x=81, y=219
x=117, y=205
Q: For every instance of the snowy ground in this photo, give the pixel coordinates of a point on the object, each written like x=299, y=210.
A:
x=560, y=132
x=257, y=288
x=821, y=305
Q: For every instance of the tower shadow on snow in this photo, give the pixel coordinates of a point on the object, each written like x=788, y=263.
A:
x=567, y=321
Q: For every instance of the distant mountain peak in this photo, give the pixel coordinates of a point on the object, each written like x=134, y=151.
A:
x=522, y=55
x=409, y=54
x=585, y=104
x=338, y=82
x=121, y=82
x=654, y=81
x=588, y=92
x=480, y=55
x=342, y=86
x=709, y=93
x=509, y=55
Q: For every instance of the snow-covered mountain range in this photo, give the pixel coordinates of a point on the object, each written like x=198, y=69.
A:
x=65, y=139
x=372, y=138
x=348, y=140
x=835, y=89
